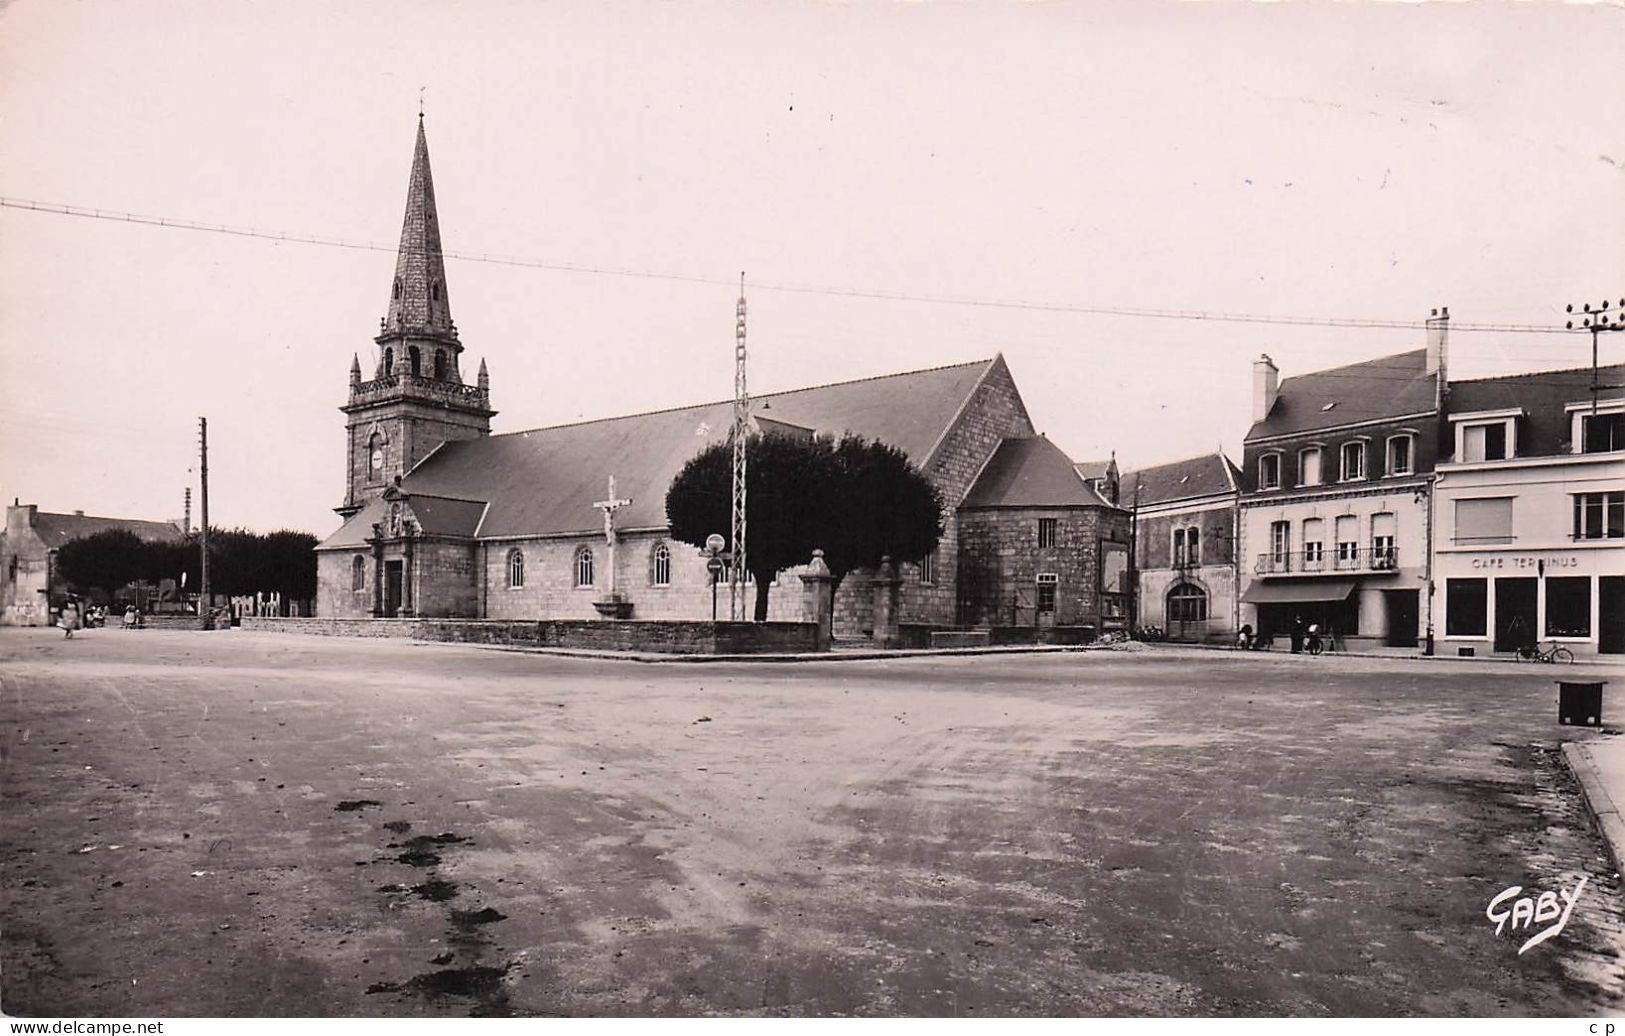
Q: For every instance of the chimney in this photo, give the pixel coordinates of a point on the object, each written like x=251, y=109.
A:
x=78, y=513
x=1438, y=324
x=1266, y=380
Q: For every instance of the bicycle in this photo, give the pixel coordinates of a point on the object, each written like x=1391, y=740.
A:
x=1555, y=653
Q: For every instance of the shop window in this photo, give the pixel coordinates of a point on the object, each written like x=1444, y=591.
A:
x=1187, y=603
x=358, y=573
x=1046, y=531
x=1484, y=520
x=1269, y=471
x=1047, y=585
x=1353, y=455
x=516, y=569
x=660, y=565
x=1401, y=451
x=584, y=566
x=1466, y=607
x=1309, y=466
x=1599, y=516
x=1568, y=606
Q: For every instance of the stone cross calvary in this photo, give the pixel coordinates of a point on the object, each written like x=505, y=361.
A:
x=609, y=506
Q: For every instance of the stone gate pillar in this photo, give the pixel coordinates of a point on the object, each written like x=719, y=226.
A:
x=407, y=588
x=377, y=542
x=818, y=600
x=887, y=587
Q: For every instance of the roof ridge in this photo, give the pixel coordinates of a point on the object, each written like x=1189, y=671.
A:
x=1182, y=460
x=729, y=402
x=1535, y=374
x=101, y=517
x=1374, y=361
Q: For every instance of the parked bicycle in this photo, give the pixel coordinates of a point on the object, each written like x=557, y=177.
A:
x=1554, y=653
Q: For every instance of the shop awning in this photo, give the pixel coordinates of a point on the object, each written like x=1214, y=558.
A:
x=1290, y=591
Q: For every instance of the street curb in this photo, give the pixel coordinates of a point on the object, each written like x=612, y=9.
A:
x=826, y=656
x=1470, y=659
x=1603, y=809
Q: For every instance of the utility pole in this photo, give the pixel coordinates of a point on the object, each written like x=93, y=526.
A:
x=203, y=500
x=1597, y=321
x=736, y=576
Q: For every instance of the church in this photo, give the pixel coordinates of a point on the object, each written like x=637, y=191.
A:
x=443, y=519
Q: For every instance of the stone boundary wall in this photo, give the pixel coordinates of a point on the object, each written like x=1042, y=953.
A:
x=677, y=638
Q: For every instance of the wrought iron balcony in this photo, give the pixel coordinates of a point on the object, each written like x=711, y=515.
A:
x=1342, y=559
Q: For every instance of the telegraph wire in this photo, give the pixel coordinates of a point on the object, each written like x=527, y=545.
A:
x=1136, y=312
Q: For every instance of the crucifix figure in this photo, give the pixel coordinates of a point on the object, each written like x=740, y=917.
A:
x=609, y=506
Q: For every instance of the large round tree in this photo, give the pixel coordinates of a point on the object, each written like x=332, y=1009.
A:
x=856, y=500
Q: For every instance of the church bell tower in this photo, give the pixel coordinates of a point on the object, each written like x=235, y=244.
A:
x=416, y=398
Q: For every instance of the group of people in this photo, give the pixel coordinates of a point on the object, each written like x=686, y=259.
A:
x=75, y=615
x=1304, y=636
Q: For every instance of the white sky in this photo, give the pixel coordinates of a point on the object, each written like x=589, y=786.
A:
x=1366, y=161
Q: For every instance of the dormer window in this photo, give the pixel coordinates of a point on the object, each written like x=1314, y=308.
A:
x=1269, y=471
x=1599, y=428
x=1353, y=457
x=1487, y=435
x=1401, y=454
x=1309, y=473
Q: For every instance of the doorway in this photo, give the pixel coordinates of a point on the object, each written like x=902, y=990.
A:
x=392, y=589
x=1515, y=613
x=1404, y=612
x=1611, y=605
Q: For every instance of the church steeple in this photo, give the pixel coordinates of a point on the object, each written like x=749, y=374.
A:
x=418, y=303
x=416, y=398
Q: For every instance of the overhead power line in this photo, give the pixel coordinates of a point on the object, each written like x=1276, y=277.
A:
x=1137, y=312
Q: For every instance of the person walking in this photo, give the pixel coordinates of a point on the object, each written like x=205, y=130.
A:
x=1297, y=634
x=70, y=618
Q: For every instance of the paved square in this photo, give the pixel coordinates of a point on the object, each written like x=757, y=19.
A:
x=254, y=824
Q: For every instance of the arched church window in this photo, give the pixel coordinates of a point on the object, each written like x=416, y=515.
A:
x=434, y=291
x=584, y=566
x=1186, y=603
x=516, y=568
x=440, y=364
x=660, y=565
x=397, y=287
x=416, y=356
x=358, y=573
x=389, y=362
x=375, y=456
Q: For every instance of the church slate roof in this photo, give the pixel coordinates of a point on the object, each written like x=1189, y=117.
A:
x=543, y=482
x=1208, y=475
x=1031, y=473
x=1386, y=387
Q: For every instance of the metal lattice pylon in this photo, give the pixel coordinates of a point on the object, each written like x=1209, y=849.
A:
x=737, y=604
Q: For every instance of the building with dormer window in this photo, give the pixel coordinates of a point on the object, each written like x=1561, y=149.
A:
x=1334, y=521
x=1529, y=543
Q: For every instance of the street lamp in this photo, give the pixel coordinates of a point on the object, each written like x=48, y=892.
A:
x=713, y=546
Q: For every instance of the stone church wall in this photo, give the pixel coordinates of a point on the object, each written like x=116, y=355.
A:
x=550, y=591
x=1000, y=561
